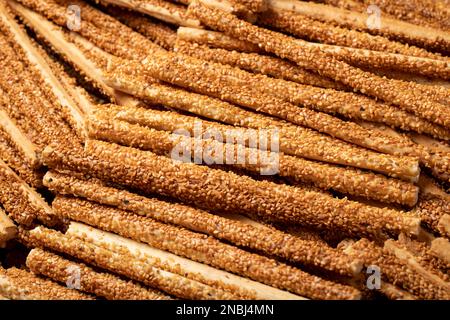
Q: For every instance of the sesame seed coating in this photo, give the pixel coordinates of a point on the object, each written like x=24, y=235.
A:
x=388, y=90
x=155, y=30
x=200, y=77
x=202, y=249
x=8, y=230
x=395, y=271
x=348, y=104
x=20, y=284
x=126, y=265
x=394, y=29
x=421, y=12
x=294, y=140
x=394, y=293
x=219, y=190
x=313, y=30
x=22, y=203
x=100, y=284
x=267, y=240
x=324, y=176
x=256, y=63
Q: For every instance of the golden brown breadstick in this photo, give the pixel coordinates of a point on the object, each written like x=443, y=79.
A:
x=71, y=110
x=126, y=265
x=195, y=246
x=313, y=30
x=348, y=104
x=294, y=140
x=17, y=284
x=324, y=176
x=265, y=199
x=162, y=10
x=202, y=273
x=256, y=63
x=226, y=87
x=22, y=203
x=434, y=39
x=395, y=270
x=237, y=231
x=100, y=284
x=391, y=91
x=18, y=139
x=158, y=32
x=8, y=230
x=440, y=248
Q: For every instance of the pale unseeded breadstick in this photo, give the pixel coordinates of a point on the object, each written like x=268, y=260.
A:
x=203, y=273
x=7, y=229
x=100, y=284
x=391, y=91
x=71, y=111
x=125, y=265
x=324, y=176
x=256, y=63
x=17, y=284
x=308, y=28
x=396, y=271
x=294, y=140
x=431, y=38
x=22, y=203
x=348, y=104
x=206, y=250
x=237, y=230
x=224, y=190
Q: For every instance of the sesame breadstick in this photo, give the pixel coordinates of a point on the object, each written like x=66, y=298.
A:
x=392, y=292
x=203, y=249
x=162, y=10
x=100, y=284
x=416, y=263
x=17, y=284
x=221, y=190
x=126, y=265
x=295, y=140
x=440, y=248
x=324, y=176
x=71, y=112
x=22, y=203
x=18, y=139
x=313, y=30
x=256, y=63
x=216, y=40
x=237, y=231
x=8, y=230
x=238, y=86
x=422, y=252
x=394, y=270
x=202, y=273
x=32, y=101
x=388, y=90
x=330, y=101
x=153, y=29
x=430, y=38
x=444, y=225
x=422, y=12
x=12, y=157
